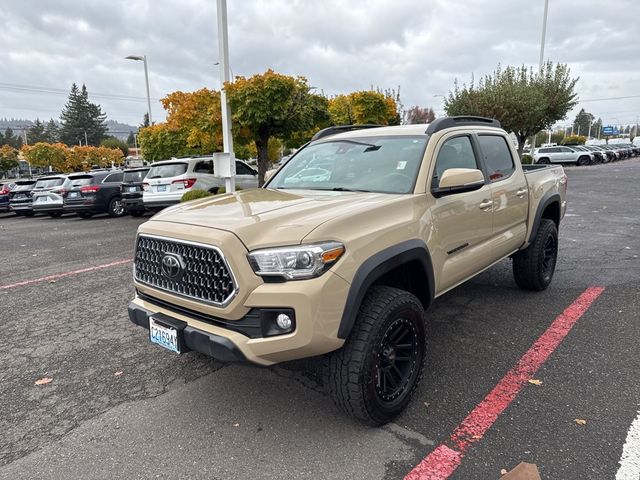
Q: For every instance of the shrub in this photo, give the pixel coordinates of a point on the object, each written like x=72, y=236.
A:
x=526, y=159
x=194, y=195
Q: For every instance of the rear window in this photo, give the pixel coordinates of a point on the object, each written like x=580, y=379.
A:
x=497, y=156
x=80, y=181
x=135, y=177
x=24, y=186
x=167, y=170
x=113, y=178
x=49, y=182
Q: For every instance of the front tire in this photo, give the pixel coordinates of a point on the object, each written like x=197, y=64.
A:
x=544, y=161
x=136, y=213
x=373, y=376
x=85, y=214
x=55, y=214
x=533, y=267
x=582, y=161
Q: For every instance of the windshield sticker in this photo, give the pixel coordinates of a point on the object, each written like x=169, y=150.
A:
x=401, y=165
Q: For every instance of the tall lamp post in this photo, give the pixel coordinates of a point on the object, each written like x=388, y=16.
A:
x=541, y=61
x=143, y=58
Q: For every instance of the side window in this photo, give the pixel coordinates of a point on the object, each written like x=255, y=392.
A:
x=455, y=153
x=242, y=169
x=114, y=178
x=205, y=166
x=497, y=156
x=554, y=150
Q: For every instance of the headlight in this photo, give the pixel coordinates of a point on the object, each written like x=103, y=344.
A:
x=296, y=263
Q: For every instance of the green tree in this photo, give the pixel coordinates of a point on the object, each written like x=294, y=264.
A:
x=556, y=137
x=159, y=142
x=596, y=129
x=145, y=121
x=582, y=122
x=418, y=114
x=273, y=105
x=113, y=142
x=11, y=139
x=36, y=132
x=51, y=132
x=524, y=100
x=8, y=158
x=131, y=139
x=81, y=119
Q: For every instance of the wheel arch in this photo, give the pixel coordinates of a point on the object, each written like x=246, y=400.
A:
x=549, y=208
x=406, y=265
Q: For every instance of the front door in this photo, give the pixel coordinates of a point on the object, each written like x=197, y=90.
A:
x=462, y=222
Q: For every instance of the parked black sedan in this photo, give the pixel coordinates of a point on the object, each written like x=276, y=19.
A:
x=94, y=192
x=132, y=190
x=20, y=198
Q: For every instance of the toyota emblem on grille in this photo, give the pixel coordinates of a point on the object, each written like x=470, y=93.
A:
x=172, y=266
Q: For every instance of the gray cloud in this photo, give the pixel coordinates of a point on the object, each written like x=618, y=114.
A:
x=339, y=46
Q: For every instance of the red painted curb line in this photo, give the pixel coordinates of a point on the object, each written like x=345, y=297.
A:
x=445, y=459
x=65, y=274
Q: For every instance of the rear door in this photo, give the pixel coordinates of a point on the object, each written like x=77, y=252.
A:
x=509, y=192
x=462, y=222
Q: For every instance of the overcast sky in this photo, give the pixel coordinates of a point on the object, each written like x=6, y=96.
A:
x=340, y=46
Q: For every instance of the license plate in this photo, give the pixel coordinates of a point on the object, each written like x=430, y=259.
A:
x=161, y=188
x=166, y=337
x=43, y=199
x=74, y=194
x=132, y=189
x=19, y=196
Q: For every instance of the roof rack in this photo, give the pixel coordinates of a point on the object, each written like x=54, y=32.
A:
x=459, y=121
x=325, y=132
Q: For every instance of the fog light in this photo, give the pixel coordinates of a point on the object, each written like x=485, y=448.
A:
x=283, y=321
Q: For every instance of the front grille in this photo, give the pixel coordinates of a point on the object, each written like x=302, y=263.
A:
x=205, y=274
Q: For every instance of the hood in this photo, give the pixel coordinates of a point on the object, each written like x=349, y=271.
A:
x=264, y=217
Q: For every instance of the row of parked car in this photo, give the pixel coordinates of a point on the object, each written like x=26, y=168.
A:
x=118, y=192
x=585, y=154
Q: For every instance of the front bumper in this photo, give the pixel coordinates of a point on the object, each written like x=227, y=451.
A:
x=21, y=207
x=215, y=346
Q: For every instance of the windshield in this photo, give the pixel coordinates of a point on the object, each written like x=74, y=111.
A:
x=49, y=182
x=371, y=164
x=167, y=170
x=135, y=176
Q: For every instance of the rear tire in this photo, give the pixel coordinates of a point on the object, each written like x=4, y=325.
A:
x=29, y=214
x=533, y=267
x=85, y=214
x=115, y=208
x=373, y=376
x=55, y=214
x=136, y=213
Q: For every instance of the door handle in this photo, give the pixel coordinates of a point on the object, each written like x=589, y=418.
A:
x=486, y=204
x=520, y=193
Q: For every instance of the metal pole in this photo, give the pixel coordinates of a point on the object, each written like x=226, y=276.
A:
x=223, y=55
x=544, y=35
x=146, y=80
x=86, y=142
x=135, y=143
x=589, y=134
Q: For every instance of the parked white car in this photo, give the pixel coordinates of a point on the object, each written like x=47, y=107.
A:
x=168, y=180
x=561, y=154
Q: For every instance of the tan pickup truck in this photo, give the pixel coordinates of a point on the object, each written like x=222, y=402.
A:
x=343, y=250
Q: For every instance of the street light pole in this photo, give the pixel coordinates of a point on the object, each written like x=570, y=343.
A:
x=227, y=138
x=143, y=59
x=544, y=36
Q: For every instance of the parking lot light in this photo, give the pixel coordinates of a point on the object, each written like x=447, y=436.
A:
x=143, y=58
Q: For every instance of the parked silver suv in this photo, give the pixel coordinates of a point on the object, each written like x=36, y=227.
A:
x=561, y=154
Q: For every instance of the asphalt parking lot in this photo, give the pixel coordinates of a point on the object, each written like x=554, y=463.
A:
x=118, y=407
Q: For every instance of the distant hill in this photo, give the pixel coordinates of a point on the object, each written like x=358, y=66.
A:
x=115, y=128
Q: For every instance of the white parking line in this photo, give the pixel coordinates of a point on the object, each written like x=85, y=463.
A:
x=630, y=459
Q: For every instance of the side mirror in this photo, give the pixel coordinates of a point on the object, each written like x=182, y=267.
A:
x=458, y=180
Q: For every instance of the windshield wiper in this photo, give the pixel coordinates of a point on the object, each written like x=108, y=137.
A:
x=156, y=176
x=343, y=189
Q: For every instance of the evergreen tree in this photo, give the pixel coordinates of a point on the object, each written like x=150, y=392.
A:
x=36, y=132
x=145, y=121
x=82, y=121
x=51, y=132
x=1, y=139
x=582, y=122
x=131, y=139
x=11, y=139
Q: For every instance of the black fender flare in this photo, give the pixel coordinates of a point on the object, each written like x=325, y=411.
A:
x=375, y=267
x=546, y=200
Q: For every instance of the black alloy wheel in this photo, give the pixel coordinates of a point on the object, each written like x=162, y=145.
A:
x=397, y=360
